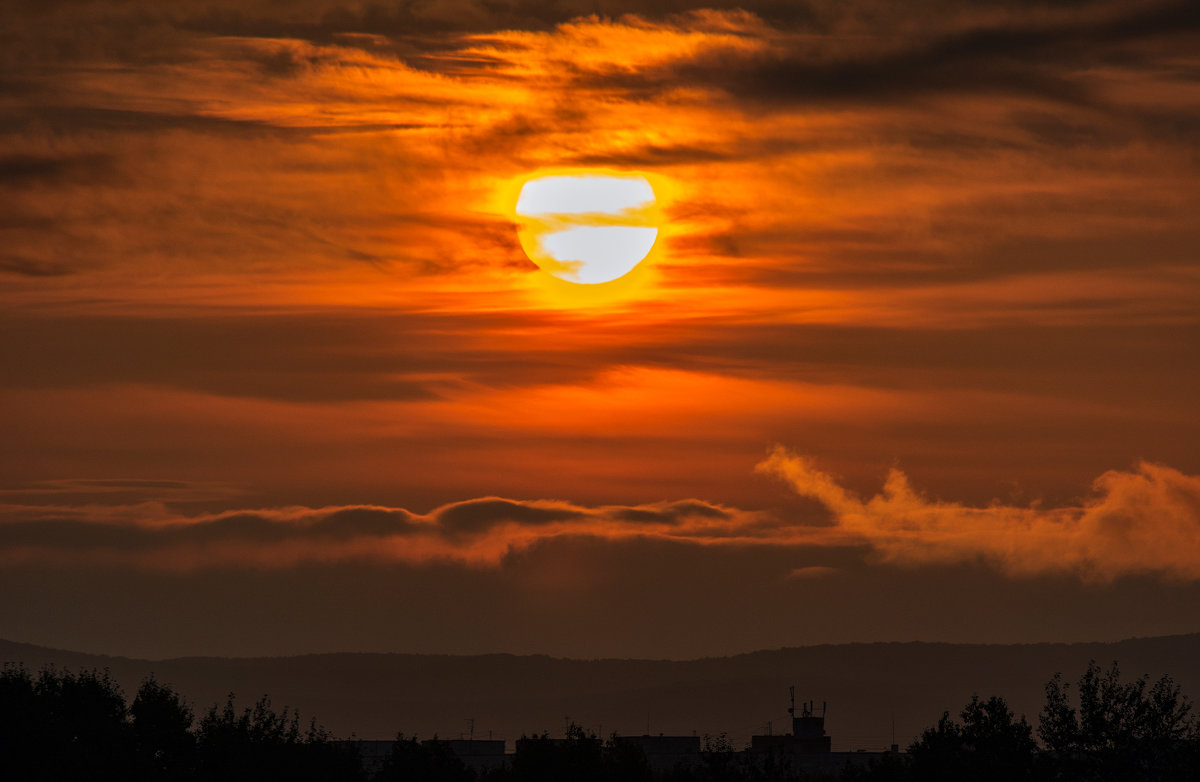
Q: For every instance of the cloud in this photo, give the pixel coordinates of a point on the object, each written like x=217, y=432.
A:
x=263, y=246
x=1047, y=56
x=238, y=139
x=1144, y=521
x=32, y=268
x=479, y=532
x=25, y=169
x=476, y=516
x=812, y=572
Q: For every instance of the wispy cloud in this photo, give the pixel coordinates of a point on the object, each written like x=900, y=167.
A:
x=1146, y=520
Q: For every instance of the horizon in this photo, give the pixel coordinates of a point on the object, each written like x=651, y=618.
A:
x=732, y=655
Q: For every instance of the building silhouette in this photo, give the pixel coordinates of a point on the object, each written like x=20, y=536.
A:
x=808, y=735
x=808, y=748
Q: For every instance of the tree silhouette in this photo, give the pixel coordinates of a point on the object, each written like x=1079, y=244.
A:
x=626, y=762
x=579, y=757
x=543, y=759
x=63, y=726
x=162, y=725
x=259, y=743
x=413, y=761
x=989, y=744
x=720, y=761
x=22, y=721
x=1131, y=730
x=77, y=726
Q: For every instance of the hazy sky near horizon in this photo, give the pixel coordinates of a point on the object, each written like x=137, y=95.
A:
x=915, y=355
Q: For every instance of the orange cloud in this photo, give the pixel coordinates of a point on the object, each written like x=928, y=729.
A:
x=478, y=533
x=269, y=249
x=1146, y=521
x=1143, y=521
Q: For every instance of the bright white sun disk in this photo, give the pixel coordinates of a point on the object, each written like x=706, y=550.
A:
x=571, y=195
x=603, y=252
x=587, y=228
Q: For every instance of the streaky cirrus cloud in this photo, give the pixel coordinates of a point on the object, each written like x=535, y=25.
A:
x=1146, y=520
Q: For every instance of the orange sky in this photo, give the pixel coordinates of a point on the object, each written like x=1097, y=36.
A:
x=921, y=312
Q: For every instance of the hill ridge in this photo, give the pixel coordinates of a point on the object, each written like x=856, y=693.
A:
x=4, y=643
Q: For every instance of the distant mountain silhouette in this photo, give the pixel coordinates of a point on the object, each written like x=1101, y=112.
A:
x=376, y=695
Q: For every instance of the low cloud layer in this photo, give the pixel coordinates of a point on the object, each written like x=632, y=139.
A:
x=1144, y=521
x=479, y=532
x=1134, y=522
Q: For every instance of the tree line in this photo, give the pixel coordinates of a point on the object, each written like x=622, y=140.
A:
x=60, y=725
x=1108, y=730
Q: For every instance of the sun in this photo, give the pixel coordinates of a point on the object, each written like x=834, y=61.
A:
x=587, y=228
